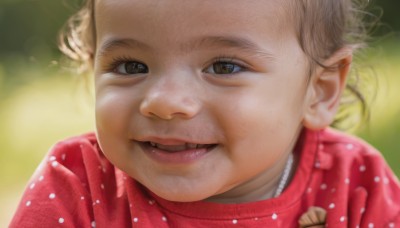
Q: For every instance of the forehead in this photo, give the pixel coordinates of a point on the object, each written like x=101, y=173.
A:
x=193, y=13
x=249, y=7
x=164, y=25
x=198, y=5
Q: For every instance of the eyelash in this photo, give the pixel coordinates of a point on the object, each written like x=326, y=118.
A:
x=229, y=60
x=225, y=58
x=117, y=61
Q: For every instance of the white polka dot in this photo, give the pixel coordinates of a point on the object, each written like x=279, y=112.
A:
x=342, y=218
x=309, y=190
x=61, y=220
x=41, y=178
x=96, y=202
x=317, y=164
x=54, y=164
x=234, y=221
x=377, y=179
x=349, y=146
x=28, y=203
x=331, y=206
x=52, y=196
x=391, y=225
x=102, y=186
x=347, y=181
x=321, y=146
x=63, y=156
x=333, y=190
x=256, y=219
x=151, y=202
x=164, y=218
x=371, y=225
x=32, y=186
x=135, y=219
x=386, y=180
x=104, y=170
x=274, y=216
x=93, y=224
x=362, y=210
x=323, y=186
x=52, y=158
x=363, y=168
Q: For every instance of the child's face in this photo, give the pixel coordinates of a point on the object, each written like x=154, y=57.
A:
x=227, y=75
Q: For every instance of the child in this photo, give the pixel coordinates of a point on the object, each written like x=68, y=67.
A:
x=214, y=113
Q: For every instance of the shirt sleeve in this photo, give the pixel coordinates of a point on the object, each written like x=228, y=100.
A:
x=357, y=187
x=58, y=194
x=376, y=202
x=373, y=189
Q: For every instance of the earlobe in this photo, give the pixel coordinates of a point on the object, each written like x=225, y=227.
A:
x=325, y=89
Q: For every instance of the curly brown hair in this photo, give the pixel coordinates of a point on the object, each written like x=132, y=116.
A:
x=322, y=27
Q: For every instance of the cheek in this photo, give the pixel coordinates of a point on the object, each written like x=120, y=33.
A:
x=266, y=110
x=261, y=120
x=113, y=123
x=113, y=111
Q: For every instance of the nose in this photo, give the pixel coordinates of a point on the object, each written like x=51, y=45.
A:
x=170, y=98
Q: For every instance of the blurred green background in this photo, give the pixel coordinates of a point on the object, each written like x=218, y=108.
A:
x=41, y=102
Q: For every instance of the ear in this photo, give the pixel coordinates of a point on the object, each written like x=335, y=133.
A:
x=325, y=89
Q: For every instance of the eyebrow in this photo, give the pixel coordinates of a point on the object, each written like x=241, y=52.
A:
x=230, y=42
x=209, y=42
x=111, y=44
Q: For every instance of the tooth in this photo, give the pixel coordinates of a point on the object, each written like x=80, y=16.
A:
x=191, y=145
x=200, y=146
x=153, y=144
x=172, y=148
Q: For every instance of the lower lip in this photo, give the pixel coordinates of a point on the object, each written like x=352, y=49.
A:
x=180, y=157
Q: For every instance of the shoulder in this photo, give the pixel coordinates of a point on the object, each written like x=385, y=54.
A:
x=72, y=180
x=341, y=152
x=74, y=146
x=78, y=155
x=345, y=146
x=361, y=174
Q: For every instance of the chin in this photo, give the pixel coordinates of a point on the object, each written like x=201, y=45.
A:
x=182, y=195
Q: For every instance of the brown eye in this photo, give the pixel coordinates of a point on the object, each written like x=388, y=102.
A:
x=224, y=68
x=132, y=68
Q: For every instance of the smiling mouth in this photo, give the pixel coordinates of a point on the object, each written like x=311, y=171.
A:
x=176, y=153
x=181, y=147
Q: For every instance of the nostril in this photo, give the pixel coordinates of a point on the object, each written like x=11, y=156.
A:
x=164, y=117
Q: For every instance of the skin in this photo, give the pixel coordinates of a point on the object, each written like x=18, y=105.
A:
x=253, y=116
